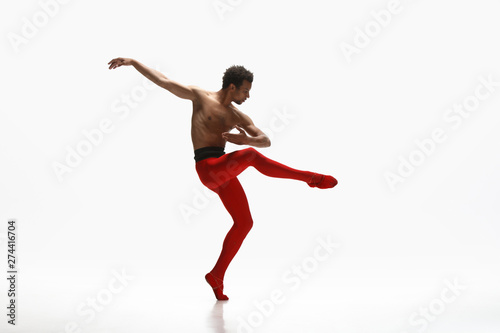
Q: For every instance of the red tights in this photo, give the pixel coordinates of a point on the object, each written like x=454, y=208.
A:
x=219, y=174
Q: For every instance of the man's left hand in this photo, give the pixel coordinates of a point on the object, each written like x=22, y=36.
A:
x=238, y=139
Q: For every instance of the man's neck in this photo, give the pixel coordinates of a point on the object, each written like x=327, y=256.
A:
x=223, y=97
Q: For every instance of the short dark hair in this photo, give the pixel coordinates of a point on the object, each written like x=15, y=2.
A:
x=236, y=75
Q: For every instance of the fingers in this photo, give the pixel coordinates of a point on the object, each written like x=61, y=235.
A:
x=117, y=62
x=112, y=64
x=235, y=138
x=240, y=129
x=230, y=137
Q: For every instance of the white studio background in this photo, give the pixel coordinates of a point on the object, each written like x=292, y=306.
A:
x=398, y=100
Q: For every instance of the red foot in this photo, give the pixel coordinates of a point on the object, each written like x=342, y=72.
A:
x=322, y=181
x=217, y=286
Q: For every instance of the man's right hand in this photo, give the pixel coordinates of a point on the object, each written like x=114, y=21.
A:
x=117, y=62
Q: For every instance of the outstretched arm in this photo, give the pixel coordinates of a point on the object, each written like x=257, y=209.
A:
x=179, y=90
x=257, y=138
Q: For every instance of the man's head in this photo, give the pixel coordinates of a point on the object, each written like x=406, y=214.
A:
x=239, y=82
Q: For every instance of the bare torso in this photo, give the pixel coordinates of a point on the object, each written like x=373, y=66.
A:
x=210, y=119
x=214, y=115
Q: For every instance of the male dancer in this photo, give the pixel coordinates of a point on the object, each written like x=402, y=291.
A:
x=214, y=116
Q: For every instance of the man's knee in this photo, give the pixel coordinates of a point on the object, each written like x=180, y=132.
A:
x=251, y=150
x=251, y=153
x=246, y=225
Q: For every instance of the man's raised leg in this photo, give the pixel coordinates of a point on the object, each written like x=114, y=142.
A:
x=232, y=164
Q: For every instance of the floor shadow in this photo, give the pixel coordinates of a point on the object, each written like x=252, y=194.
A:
x=216, y=318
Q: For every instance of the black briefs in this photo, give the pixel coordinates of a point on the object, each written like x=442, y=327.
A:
x=206, y=152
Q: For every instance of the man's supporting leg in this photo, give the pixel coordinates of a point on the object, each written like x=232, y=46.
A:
x=234, y=199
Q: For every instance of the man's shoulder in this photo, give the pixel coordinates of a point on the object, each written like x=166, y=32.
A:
x=200, y=91
x=236, y=110
x=242, y=117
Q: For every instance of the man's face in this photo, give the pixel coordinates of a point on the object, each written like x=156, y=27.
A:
x=242, y=93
